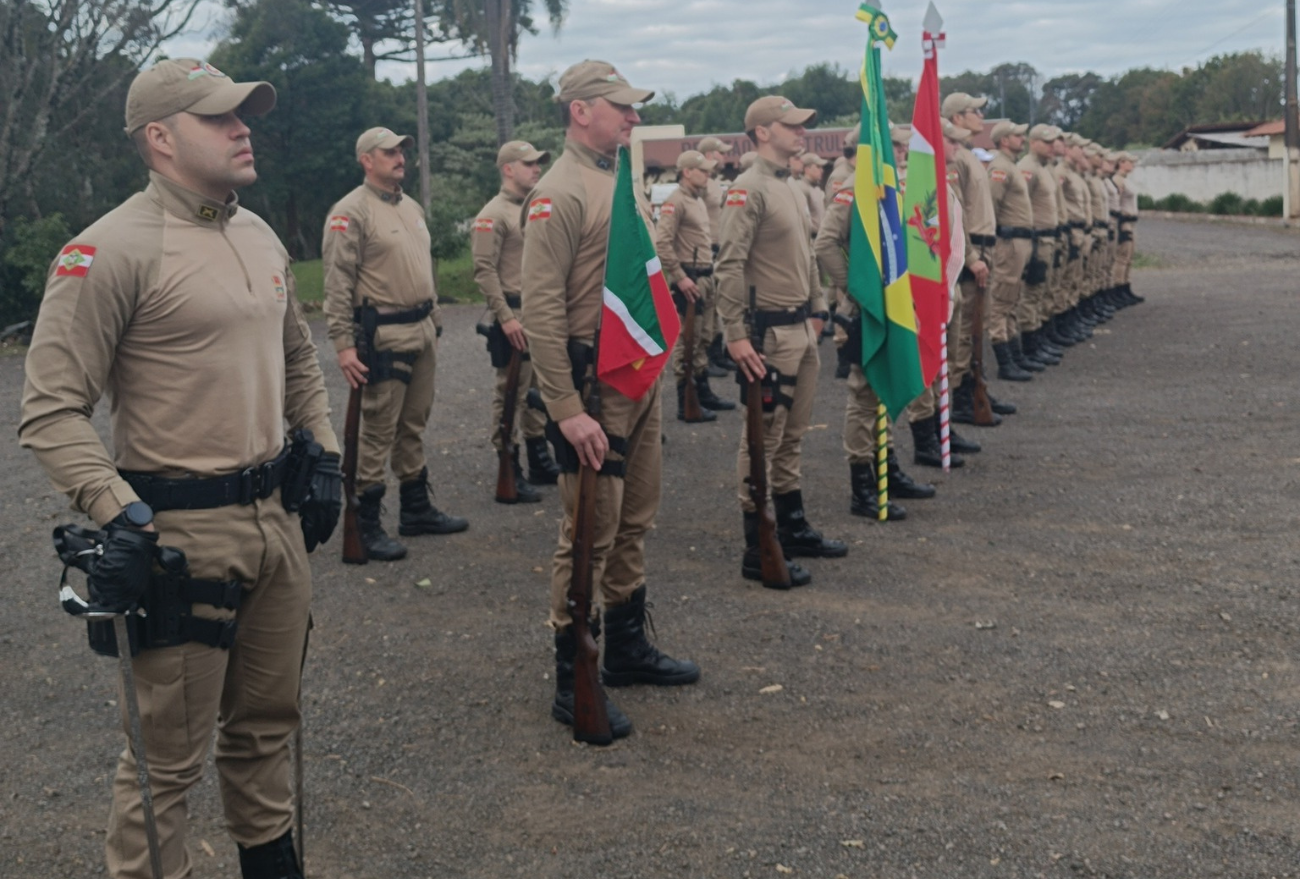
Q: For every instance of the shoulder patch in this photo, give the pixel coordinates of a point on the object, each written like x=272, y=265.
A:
x=844, y=196
x=952, y=177
x=484, y=224
x=339, y=223
x=737, y=198
x=998, y=175
x=667, y=210
x=278, y=283
x=74, y=261
x=539, y=209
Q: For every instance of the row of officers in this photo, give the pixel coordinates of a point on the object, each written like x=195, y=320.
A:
x=179, y=306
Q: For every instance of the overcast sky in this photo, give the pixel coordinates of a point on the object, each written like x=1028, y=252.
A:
x=686, y=46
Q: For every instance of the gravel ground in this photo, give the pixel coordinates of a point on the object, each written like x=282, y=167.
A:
x=1077, y=660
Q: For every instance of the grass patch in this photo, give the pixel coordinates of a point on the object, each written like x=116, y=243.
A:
x=1147, y=261
x=455, y=281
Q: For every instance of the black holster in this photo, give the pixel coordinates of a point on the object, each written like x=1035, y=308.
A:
x=582, y=361
x=299, y=467
x=1036, y=268
x=497, y=344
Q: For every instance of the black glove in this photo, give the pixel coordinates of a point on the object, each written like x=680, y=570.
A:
x=118, y=577
x=320, y=512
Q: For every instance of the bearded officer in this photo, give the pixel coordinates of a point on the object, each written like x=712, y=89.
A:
x=767, y=245
x=685, y=249
x=379, y=271
x=180, y=305
x=565, y=238
x=497, y=245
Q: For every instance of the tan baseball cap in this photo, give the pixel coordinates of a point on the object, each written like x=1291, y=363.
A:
x=1126, y=156
x=714, y=144
x=960, y=102
x=952, y=132
x=695, y=159
x=813, y=159
x=900, y=134
x=775, y=108
x=1043, y=131
x=521, y=151
x=747, y=160
x=188, y=84
x=851, y=139
x=381, y=138
x=598, y=79
x=1074, y=139
x=1005, y=127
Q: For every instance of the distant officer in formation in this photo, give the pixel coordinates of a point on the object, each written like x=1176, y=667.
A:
x=565, y=236
x=714, y=149
x=767, y=246
x=379, y=271
x=685, y=247
x=841, y=175
x=802, y=167
x=497, y=244
x=180, y=305
x=1128, y=217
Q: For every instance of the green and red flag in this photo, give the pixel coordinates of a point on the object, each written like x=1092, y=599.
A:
x=925, y=211
x=878, y=279
x=638, y=323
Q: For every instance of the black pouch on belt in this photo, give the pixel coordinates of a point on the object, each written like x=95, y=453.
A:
x=304, y=453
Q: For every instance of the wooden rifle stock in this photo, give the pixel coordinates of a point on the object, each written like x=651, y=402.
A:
x=507, y=491
x=980, y=393
x=775, y=571
x=354, y=551
x=590, y=719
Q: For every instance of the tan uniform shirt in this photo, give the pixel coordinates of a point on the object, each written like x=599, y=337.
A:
x=497, y=244
x=841, y=175
x=1076, y=194
x=1112, y=199
x=566, y=230
x=182, y=310
x=682, y=237
x=767, y=244
x=1128, y=199
x=1097, y=200
x=376, y=247
x=832, y=246
x=1010, y=193
x=714, y=194
x=976, y=199
x=1040, y=180
x=816, y=200
x=1062, y=209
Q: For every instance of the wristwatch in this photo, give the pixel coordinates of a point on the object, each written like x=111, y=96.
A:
x=136, y=514
x=822, y=316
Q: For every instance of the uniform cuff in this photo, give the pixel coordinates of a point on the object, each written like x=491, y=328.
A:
x=343, y=343
x=110, y=503
x=736, y=332
x=566, y=407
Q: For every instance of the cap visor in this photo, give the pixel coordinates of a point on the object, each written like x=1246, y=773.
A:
x=977, y=103
x=799, y=117
x=629, y=96
x=537, y=156
x=251, y=98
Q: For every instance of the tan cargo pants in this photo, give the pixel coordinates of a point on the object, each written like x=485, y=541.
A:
x=792, y=350
x=529, y=423
x=1123, y=257
x=1005, y=285
x=625, y=508
x=703, y=334
x=249, y=693
x=394, y=413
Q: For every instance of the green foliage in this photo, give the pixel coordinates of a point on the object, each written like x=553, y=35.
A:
x=33, y=246
x=1270, y=207
x=1146, y=203
x=1179, y=203
x=309, y=278
x=1010, y=89
x=456, y=280
x=1226, y=203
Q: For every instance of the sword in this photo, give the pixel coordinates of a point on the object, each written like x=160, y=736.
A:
x=137, y=741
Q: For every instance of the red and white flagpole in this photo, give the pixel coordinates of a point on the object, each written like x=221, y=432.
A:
x=945, y=436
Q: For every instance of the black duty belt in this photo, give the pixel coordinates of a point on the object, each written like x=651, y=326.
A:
x=513, y=300
x=983, y=240
x=1048, y=233
x=784, y=317
x=1078, y=224
x=1128, y=218
x=405, y=316
x=1062, y=229
x=1116, y=214
x=244, y=487
x=1015, y=232
x=1100, y=225
x=695, y=274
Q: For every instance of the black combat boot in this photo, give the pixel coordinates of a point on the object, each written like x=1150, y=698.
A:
x=843, y=361
x=706, y=414
x=797, y=537
x=1080, y=327
x=630, y=658
x=957, y=443
x=419, y=515
x=864, y=501
x=719, y=356
x=904, y=486
x=925, y=444
x=566, y=651
x=270, y=860
x=1008, y=369
x=378, y=544
x=751, y=566
x=1031, y=343
x=708, y=399
x=1045, y=343
x=999, y=407
x=542, y=469
x=1055, y=334
x=1021, y=359
x=963, y=401
x=1132, y=297
x=524, y=492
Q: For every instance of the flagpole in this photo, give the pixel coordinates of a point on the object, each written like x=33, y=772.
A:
x=882, y=463
x=945, y=437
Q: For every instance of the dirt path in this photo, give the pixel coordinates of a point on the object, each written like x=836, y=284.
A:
x=1078, y=660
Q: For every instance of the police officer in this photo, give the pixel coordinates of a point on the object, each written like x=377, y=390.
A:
x=767, y=245
x=1078, y=218
x=1128, y=217
x=685, y=250
x=378, y=270
x=814, y=166
x=713, y=149
x=1093, y=305
x=845, y=165
x=842, y=175
x=498, y=247
x=1038, y=168
x=565, y=237
x=180, y=305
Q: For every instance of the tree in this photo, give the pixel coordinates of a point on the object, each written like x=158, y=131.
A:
x=1066, y=99
x=59, y=62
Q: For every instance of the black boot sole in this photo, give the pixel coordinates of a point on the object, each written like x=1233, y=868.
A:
x=628, y=678
x=565, y=717
x=799, y=576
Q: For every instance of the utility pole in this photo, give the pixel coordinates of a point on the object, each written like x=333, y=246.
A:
x=422, y=108
x=1292, y=123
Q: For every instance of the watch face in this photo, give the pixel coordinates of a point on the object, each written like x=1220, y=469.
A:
x=138, y=513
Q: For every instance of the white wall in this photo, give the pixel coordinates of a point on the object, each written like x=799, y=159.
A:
x=1204, y=174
